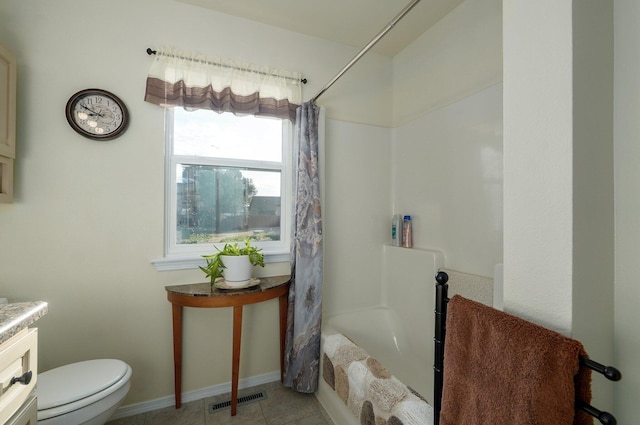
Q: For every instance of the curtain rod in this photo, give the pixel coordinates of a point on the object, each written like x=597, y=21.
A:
x=302, y=80
x=366, y=48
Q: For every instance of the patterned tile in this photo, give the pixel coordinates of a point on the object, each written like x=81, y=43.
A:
x=281, y=407
x=317, y=419
x=189, y=414
x=285, y=406
x=131, y=420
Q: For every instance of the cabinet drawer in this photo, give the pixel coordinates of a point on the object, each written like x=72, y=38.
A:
x=18, y=356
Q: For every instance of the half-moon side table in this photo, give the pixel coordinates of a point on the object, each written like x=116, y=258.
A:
x=203, y=295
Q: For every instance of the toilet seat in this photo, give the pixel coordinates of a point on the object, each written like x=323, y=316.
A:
x=74, y=386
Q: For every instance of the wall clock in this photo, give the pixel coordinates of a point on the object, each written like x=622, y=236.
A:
x=97, y=114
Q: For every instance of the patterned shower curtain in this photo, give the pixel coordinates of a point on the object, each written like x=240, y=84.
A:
x=302, y=355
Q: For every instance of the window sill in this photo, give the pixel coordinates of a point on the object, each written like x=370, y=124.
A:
x=183, y=262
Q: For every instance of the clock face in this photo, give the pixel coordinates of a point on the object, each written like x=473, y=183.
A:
x=97, y=114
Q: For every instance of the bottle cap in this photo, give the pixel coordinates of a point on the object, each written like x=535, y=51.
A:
x=407, y=217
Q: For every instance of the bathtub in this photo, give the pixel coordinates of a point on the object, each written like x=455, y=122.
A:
x=398, y=332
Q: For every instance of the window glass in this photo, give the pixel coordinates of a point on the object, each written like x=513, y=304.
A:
x=206, y=133
x=220, y=204
x=228, y=180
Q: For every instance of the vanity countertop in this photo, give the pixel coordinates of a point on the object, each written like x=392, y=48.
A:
x=18, y=316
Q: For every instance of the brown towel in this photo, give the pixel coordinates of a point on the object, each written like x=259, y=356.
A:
x=500, y=369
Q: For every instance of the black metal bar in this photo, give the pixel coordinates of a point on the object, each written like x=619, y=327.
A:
x=605, y=418
x=610, y=372
x=440, y=332
x=442, y=299
x=150, y=52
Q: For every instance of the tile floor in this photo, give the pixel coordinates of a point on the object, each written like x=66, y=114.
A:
x=282, y=406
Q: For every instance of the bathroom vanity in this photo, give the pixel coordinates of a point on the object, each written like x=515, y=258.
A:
x=19, y=362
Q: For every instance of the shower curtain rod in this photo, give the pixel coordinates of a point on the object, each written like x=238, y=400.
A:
x=366, y=48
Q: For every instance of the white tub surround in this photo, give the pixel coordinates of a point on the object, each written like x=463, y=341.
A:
x=398, y=332
x=368, y=388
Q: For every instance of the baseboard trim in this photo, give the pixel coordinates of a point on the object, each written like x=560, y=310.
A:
x=161, y=403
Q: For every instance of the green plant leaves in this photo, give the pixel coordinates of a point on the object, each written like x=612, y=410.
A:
x=214, y=267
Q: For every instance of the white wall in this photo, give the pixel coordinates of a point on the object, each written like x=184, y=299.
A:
x=627, y=204
x=558, y=144
x=88, y=216
x=458, y=56
x=593, y=187
x=538, y=136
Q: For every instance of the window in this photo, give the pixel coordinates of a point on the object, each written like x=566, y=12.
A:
x=228, y=178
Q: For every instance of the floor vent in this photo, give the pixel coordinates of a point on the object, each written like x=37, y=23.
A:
x=214, y=407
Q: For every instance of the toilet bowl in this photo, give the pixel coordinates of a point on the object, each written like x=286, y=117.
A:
x=83, y=393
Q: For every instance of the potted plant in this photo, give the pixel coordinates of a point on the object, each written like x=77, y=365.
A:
x=233, y=263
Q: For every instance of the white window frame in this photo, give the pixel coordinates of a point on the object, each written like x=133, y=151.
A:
x=190, y=255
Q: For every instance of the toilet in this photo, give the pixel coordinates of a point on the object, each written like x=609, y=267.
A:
x=83, y=393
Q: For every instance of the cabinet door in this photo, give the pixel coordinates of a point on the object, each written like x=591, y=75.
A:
x=8, y=71
x=6, y=179
x=27, y=415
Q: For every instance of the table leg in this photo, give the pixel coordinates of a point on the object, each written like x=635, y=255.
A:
x=284, y=304
x=235, y=368
x=177, y=352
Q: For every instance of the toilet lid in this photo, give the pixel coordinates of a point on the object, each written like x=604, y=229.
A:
x=73, y=382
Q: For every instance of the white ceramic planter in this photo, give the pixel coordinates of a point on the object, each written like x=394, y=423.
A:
x=238, y=269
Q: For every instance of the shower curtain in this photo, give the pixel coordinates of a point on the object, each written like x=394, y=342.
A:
x=302, y=354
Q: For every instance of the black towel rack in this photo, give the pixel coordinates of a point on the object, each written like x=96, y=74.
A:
x=609, y=372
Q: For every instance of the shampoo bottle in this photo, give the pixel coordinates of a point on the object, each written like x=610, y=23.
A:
x=407, y=237
x=396, y=230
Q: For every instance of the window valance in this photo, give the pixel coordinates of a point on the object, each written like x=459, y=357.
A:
x=198, y=82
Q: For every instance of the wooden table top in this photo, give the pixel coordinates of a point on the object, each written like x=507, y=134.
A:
x=206, y=295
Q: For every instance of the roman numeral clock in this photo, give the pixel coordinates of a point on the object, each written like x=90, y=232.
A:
x=97, y=114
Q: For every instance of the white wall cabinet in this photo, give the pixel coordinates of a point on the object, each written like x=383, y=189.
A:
x=8, y=71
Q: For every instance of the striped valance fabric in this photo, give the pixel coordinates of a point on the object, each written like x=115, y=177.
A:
x=198, y=82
